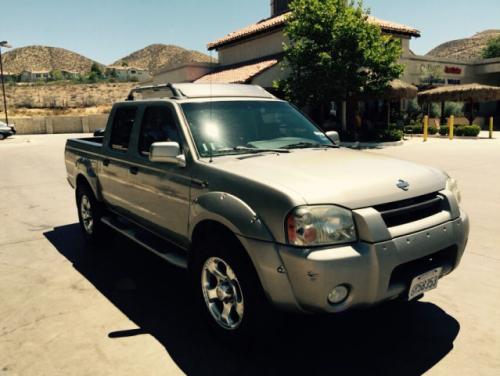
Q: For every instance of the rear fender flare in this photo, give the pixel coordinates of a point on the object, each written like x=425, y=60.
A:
x=87, y=169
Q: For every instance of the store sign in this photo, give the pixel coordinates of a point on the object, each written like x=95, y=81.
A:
x=453, y=70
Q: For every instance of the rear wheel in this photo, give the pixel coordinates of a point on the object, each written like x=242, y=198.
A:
x=90, y=212
x=2, y=136
x=229, y=295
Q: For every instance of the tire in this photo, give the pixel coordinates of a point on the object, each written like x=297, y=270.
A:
x=228, y=293
x=2, y=136
x=90, y=212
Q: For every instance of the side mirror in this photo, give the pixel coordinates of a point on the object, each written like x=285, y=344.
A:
x=167, y=152
x=334, y=137
x=99, y=132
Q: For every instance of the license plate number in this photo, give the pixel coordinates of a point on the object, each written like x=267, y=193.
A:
x=424, y=282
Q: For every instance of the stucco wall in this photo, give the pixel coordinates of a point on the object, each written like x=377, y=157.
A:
x=59, y=124
x=414, y=65
x=266, y=78
x=186, y=73
x=261, y=46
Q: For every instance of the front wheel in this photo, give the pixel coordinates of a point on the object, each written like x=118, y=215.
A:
x=228, y=291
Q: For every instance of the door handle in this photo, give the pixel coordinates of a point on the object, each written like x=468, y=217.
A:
x=105, y=162
x=133, y=170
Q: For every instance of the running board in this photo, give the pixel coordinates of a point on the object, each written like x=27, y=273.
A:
x=149, y=241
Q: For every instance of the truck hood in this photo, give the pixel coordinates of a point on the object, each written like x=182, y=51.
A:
x=353, y=179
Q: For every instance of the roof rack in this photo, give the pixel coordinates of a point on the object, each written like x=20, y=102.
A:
x=139, y=89
x=192, y=90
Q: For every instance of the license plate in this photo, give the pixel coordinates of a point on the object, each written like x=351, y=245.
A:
x=424, y=282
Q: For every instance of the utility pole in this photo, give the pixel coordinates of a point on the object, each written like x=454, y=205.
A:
x=6, y=45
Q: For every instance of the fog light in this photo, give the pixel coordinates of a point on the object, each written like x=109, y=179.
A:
x=338, y=294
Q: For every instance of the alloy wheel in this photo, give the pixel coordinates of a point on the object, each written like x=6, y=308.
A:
x=86, y=213
x=222, y=293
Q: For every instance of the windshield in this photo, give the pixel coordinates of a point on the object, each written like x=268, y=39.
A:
x=239, y=127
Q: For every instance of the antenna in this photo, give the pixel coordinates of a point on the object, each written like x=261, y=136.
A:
x=211, y=107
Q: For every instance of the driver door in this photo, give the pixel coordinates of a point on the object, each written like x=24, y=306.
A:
x=161, y=190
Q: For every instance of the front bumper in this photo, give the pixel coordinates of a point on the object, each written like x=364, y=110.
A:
x=374, y=272
x=7, y=133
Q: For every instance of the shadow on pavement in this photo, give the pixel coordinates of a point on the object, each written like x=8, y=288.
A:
x=396, y=338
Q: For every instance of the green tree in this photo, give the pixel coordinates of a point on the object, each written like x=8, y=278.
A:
x=492, y=49
x=56, y=75
x=96, y=70
x=93, y=77
x=335, y=54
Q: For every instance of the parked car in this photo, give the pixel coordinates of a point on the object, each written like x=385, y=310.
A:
x=6, y=130
x=261, y=206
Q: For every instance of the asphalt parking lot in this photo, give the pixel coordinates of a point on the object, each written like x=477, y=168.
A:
x=70, y=310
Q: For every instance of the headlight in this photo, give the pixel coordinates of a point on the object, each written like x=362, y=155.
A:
x=318, y=225
x=452, y=185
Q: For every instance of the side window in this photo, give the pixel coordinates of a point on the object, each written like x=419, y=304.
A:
x=122, y=128
x=158, y=124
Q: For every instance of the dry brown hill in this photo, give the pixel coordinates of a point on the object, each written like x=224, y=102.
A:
x=158, y=56
x=467, y=49
x=39, y=58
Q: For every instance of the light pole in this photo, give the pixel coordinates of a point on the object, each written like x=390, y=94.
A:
x=6, y=45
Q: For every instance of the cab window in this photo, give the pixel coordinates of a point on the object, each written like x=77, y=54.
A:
x=158, y=125
x=121, y=129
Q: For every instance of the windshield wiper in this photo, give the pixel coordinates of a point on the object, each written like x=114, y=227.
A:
x=306, y=145
x=246, y=149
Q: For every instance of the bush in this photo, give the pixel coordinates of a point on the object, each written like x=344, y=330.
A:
x=453, y=108
x=458, y=131
x=432, y=129
x=391, y=135
x=465, y=130
x=471, y=130
x=413, y=129
x=435, y=110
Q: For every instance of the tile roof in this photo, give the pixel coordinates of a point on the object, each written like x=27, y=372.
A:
x=237, y=75
x=278, y=22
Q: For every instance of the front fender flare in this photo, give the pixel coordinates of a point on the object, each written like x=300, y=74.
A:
x=231, y=212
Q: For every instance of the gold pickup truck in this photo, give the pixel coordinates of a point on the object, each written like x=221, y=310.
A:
x=261, y=206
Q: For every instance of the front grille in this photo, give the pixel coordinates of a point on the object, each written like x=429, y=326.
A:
x=410, y=210
x=404, y=273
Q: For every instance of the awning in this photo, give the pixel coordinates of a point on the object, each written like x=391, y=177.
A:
x=237, y=75
x=461, y=93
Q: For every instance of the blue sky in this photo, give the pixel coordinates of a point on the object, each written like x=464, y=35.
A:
x=106, y=30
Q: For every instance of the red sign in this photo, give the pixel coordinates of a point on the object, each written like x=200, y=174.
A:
x=452, y=70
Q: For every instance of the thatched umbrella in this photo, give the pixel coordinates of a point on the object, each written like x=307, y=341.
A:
x=398, y=90
x=471, y=93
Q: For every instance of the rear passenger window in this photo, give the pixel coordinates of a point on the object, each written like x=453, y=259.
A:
x=122, y=128
x=158, y=125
